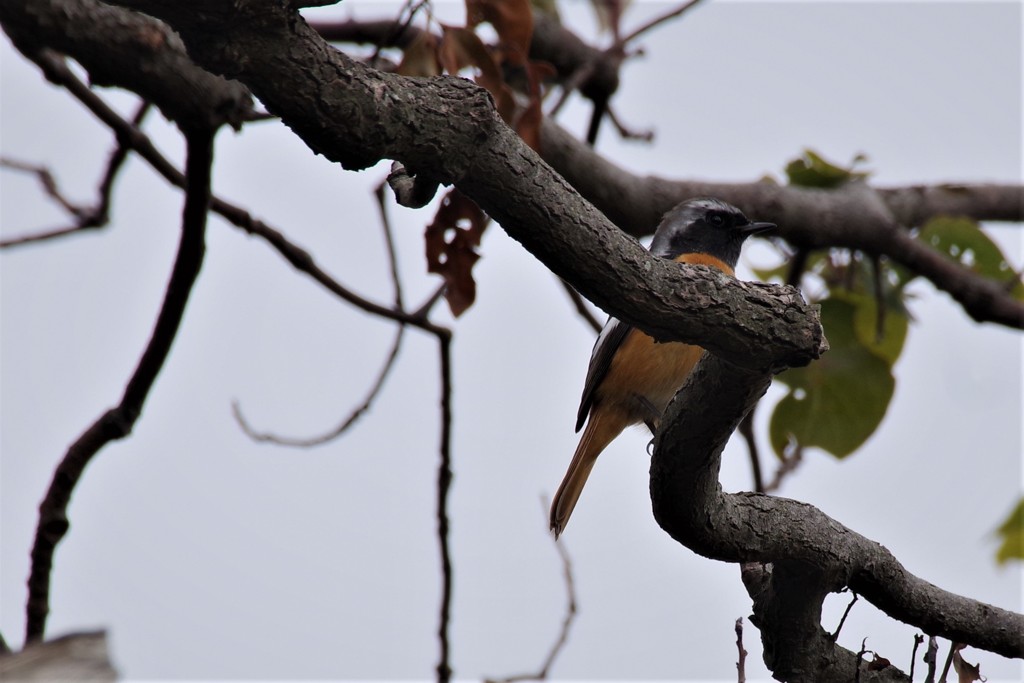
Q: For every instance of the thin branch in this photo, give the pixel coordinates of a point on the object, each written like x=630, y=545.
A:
x=860, y=659
x=48, y=182
x=789, y=464
x=299, y=258
x=741, y=662
x=918, y=639
x=567, y=620
x=444, y=481
x=399, y=26
x=86, y=217
x=797, y=266
x=117, y=422
x=931, y=658
x=746, y=430
x=424, y=310
x=382, y=375
x=657, y=21
x=358, y=412
x=378, y=33
x=570, y=85
x=846, y=613
x=581, y=306
x=389, y=242
x=881, y=309
x=626, y=132
x=570, y=609
x=949, y=662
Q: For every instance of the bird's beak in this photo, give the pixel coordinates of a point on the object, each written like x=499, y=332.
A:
x=755, y=228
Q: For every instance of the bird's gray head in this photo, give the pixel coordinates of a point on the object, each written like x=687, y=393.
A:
x=706, y=226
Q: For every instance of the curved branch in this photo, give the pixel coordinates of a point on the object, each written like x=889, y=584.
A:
x=341, y=428
x=854, y=216
x=746, y=527
x=448, y=127
x=117, y=422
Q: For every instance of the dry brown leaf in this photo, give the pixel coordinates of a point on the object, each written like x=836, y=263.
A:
x=451, y=241
x=512, y=21
x=966, y=672
x=461, y=48
x=420, y=58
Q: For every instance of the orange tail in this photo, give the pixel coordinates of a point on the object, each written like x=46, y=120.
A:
x=601, y=428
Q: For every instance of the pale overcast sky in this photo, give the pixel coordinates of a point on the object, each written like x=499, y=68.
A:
x=209, y=556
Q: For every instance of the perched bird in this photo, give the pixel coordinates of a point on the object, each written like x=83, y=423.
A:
x=632, y=378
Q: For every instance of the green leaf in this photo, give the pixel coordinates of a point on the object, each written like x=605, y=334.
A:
x=810, y=169
x=1012, y=533
x=885, y=340
x=837, y=402
x=963, y=241
x=779, y=272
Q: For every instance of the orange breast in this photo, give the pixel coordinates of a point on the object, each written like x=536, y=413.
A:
x=645, y=369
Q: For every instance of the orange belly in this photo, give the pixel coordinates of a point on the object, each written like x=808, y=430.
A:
x=644, y=371
x=644, y=375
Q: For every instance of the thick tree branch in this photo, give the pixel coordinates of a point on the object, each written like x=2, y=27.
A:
x=855, y=216
x=447, y=126
x=746, y=527
x=131, y=51
x=117, y=422
x=806, y=217
x=787, y=610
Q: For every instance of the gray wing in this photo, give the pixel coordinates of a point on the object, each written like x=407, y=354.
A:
x=608, y=342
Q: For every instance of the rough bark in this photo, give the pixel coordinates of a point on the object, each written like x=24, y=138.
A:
x=445, y=130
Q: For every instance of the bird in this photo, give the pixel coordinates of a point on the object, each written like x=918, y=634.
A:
x=632, y=378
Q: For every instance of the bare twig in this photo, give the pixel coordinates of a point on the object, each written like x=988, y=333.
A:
x=949, y=662
x=746, y=430
x=846, y=613
x=570, y=85
x=358, y=412
x=48, y=182
x=117, y=422
x=626, y=132
x=797, y=266
x=860, y=659
x=86, y=217
x=741, y=662
x=389, y=362
x=657, y=21
x=931, y=658
x=389, y=243
x=399, y=26
x=570, y=612
x=918, y=639
x=788, y=465
x=444, y=480
x=880, y=307
x=581, y=306
x=427, y=305
x=302, y=260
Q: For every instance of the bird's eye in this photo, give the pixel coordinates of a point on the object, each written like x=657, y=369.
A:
x=716, y=219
